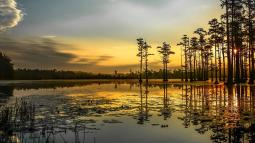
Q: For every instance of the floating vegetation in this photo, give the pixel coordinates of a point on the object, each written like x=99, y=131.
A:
x=112, y=121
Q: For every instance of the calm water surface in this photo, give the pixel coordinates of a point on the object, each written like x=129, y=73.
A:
x=119, y=112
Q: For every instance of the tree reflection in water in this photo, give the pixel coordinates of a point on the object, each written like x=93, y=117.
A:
x=226, y=111
x=166, y=111
x=143, y=109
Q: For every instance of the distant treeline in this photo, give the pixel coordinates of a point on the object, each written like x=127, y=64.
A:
x=36, y=74
x=8, y=72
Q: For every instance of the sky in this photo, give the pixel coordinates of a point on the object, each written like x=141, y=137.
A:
x=97, y=35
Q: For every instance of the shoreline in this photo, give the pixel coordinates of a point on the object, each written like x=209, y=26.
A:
x=104, y=81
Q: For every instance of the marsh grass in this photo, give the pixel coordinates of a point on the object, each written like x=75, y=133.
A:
x=16, y=117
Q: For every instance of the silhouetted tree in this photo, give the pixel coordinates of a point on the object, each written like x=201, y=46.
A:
x=214, y=38
x=208, y=55
x=250, y=30
x=6, y=67
x=189, y=59
x=222, y=40
x=194, y=48
x=140, y=43
x=165, y=51
x=185, y=44
x=202, y=42
x=146, y=48
x=237, y=35
x=226, y=4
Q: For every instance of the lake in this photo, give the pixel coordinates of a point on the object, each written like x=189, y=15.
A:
x=125, y=112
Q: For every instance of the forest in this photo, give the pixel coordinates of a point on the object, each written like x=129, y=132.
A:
x=222, y=53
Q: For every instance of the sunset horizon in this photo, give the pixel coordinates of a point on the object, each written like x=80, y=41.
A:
x=127, y=71
x=99, y=36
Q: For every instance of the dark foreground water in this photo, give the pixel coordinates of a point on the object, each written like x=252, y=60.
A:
x=120, y=112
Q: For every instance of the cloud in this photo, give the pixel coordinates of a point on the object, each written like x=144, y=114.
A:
x=144, y=2
x=10, y=15
x=92, y=61
x=43, y=53
x=151, y=2
x=119, y=19
x=48, y=36
x=36, y=53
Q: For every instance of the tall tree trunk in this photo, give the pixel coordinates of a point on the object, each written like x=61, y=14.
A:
x=232, y=37
x=224, y=63
x=181, y=65
x=220, y=64
x=141, y=67
x=190, y=74
x=146, y=68
x=203, y=66
x=186, y=64
x=216, y=67
x=237, y=68
x=199, y=67
x=211, y=69
x=207, y=67
x=194, y=75
x=166, y=72
x=251, y=48
x=229, y=55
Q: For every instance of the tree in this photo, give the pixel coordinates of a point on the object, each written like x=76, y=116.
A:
x=237, y=36
x=202, y=42
x=222, y=32
x=214, y=38
x=189, y=56
x=194, y=47
x=185, y=44
x=140, y=43
x=250, y=29
x=226, y=4
x=6, y=67
x=165, y=51
x=221, y=50
x=146, y=48
x=208, y=57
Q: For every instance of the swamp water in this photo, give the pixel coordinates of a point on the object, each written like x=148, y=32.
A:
x=125, y=112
